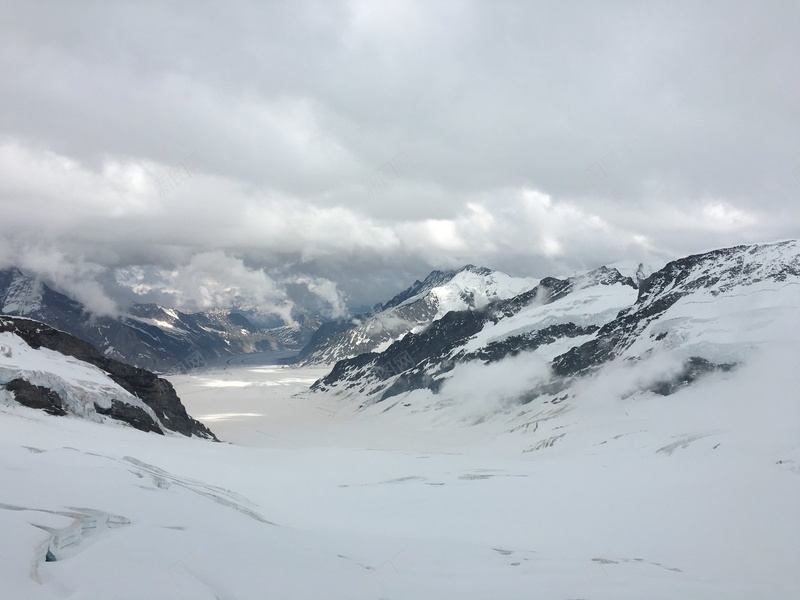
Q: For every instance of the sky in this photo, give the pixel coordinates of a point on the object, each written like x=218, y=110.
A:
x=207, y=155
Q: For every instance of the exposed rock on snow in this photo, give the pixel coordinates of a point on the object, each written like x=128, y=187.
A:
x=151, y=336
x=412, y=311
x=59, y=373
x=579, y=324
x=553, y=311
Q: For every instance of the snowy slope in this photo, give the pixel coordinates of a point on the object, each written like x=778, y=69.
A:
x=567, y=452
x=79, y=384
x=699, y=311
x=413, y=310
x=715, y=301
x=472, y=288
x=21, y=295
x=44, y=368
x=688, y=496
x=551, y=318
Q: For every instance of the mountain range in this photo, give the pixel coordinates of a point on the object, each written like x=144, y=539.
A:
x=150, y=336
x=411, y=311
x=621, y=433
x=697, y=316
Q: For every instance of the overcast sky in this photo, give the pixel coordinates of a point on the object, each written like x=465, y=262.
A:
x=207, y=153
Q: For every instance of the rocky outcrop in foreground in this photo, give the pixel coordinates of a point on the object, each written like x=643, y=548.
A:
x=141, y=398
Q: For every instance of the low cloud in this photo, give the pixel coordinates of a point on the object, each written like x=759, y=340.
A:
x=478, y=391
x=217, y=280
x=72, y=276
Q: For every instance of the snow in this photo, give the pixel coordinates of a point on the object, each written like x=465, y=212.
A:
x=79, y=384
x=471, y=288
x=483, y=289
x=154, y=322
x=693, y=495
x=24, y=296
x=595, y=305
x=603, y=490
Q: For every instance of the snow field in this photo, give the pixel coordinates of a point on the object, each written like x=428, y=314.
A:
x=692, y=495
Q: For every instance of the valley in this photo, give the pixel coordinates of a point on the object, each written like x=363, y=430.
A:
x=584, y=438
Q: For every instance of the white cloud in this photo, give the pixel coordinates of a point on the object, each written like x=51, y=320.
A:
x=71, y=275
x=477, y=391
x=217, y=280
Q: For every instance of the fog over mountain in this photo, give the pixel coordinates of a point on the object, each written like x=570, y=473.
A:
x=204, y=156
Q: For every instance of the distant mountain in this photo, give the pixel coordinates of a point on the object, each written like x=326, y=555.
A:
x=150, y=336
x=411, y=311
x=47, y=369
x=701, y=314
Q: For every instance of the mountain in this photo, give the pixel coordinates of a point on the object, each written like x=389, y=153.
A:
x=699, y=315
x=411, y=311
x=41, y=367
x=593, y=437
x=150, y=336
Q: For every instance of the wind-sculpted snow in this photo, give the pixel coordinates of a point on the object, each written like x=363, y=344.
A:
x=605, y=490
x=163, y=480
x=65, y=531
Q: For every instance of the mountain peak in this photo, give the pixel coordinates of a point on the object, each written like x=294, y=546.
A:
x=483, y=271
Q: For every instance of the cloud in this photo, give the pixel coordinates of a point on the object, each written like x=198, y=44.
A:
x=536, y=137
x=330, y=302
x=216, y=280
x=73, y=276
x=208, y=281
x=479, y=391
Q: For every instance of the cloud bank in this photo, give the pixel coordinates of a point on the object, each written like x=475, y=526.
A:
x=214, y=155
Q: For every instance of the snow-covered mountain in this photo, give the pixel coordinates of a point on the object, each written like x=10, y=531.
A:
x=412, y=311
x=588, y=438
x=700, y=314
x=150, y=336
x=41, y=367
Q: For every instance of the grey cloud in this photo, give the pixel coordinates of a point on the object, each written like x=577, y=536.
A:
x=146, y=133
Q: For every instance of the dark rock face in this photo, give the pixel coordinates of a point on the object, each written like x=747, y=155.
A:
x=36, y=396
x=718, y=271
x=527, y=342
x=157, y=393
x=132, y=415
x=327, y=335
x=693, y=369
x=435, y=279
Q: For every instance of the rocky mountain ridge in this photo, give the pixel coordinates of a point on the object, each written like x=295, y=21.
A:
x=411, y=311
x=150, y=336
x=699, y=311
